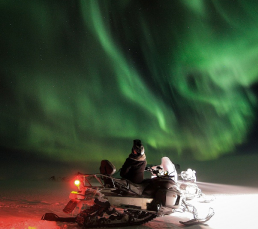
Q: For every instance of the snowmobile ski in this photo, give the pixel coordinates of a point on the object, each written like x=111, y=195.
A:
x=198, y=220
x=54, y=217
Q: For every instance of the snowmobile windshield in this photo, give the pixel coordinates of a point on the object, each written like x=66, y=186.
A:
x=168, y=166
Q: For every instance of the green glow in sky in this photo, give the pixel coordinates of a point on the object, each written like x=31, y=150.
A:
x=81, y=79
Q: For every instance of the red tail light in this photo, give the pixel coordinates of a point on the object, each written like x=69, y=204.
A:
x=77, y=182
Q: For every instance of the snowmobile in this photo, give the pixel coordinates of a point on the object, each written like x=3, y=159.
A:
x=105, y=201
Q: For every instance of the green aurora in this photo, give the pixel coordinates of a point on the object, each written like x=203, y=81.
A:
x=81, y=79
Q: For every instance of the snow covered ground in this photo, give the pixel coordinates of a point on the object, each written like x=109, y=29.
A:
x=23, y=202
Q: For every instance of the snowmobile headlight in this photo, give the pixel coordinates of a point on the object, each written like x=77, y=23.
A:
x=77, y=182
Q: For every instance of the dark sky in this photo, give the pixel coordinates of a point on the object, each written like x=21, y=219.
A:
x=81, y=79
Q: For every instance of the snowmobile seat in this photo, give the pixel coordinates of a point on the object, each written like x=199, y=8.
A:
x=129, y=187
x=137, y=188
x=108, y=169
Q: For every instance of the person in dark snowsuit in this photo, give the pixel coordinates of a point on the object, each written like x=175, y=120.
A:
x=134, y=166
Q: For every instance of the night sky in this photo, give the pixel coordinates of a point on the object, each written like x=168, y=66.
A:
x=81, y=79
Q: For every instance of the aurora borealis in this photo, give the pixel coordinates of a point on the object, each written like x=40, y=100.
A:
x=81, y=79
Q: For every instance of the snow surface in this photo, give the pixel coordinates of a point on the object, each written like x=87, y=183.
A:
x=23, y=202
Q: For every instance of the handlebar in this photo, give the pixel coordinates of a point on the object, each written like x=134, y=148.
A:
x=157, y=171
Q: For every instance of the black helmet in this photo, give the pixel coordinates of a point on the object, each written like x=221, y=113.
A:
x=138, y=148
